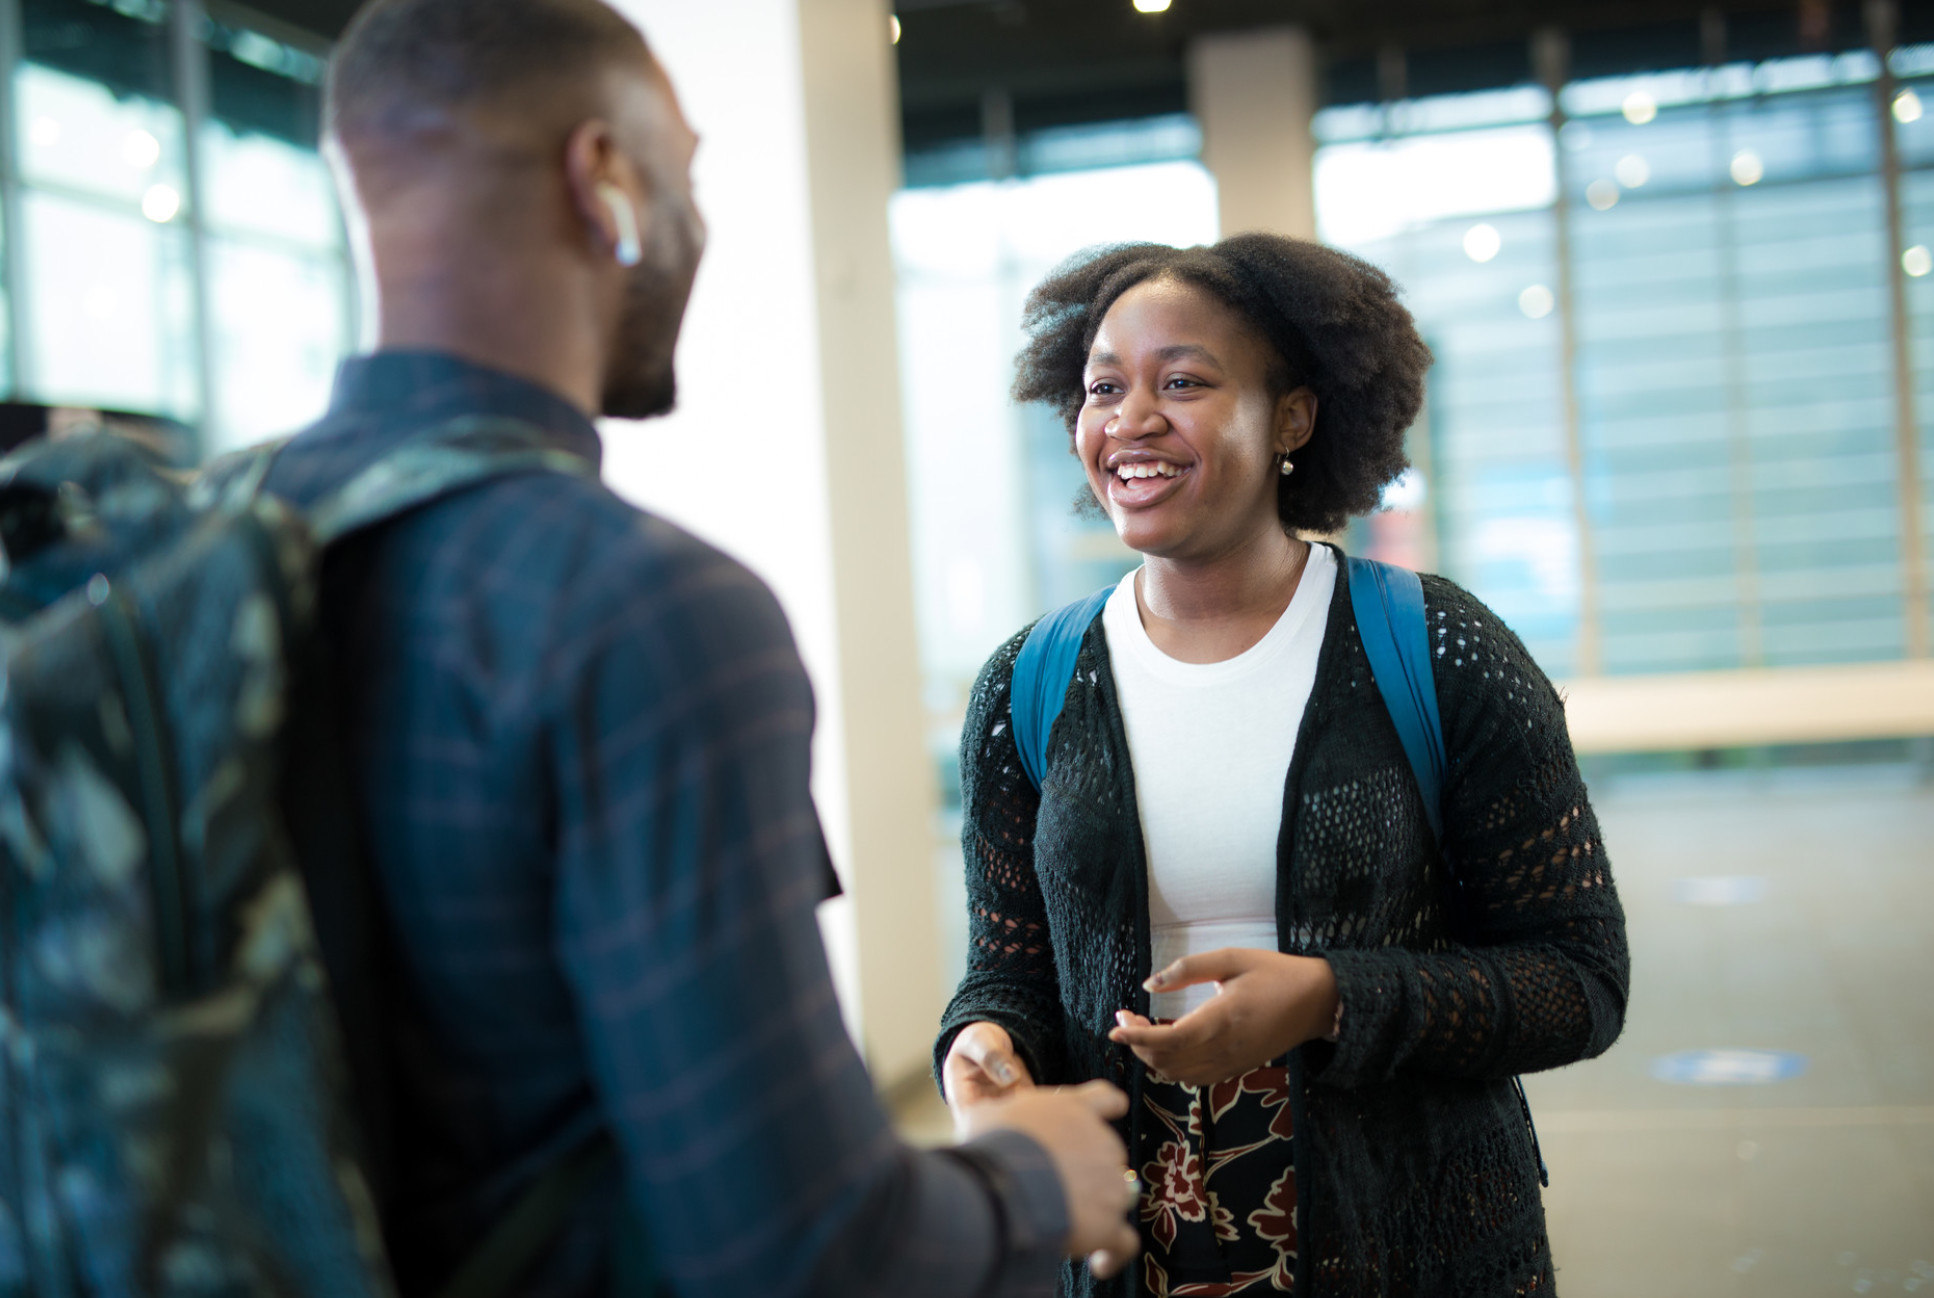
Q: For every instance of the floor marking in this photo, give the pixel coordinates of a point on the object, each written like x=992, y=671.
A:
x=1728, y=1067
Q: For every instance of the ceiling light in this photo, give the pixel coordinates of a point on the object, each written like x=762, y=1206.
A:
x=161, y=203
x=1747, y=169
x=1536, y=301
x=1917, y=261
x=140, y=149
x=1482, y=241
x=1640, y=108
x=893, y=27
x=1601, y=194
x=1151, y=6
x=1632, y=171
x=1907, y=107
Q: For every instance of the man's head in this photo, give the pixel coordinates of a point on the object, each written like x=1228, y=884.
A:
x=536, y=142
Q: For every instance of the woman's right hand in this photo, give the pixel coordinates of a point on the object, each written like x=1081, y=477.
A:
x=982, y=1065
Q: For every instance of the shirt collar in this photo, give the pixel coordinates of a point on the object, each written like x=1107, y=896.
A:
x=429, y=385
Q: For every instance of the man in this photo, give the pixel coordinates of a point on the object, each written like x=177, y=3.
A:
x=578, y=738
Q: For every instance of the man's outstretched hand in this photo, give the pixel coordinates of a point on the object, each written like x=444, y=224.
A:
x=1071, y=1124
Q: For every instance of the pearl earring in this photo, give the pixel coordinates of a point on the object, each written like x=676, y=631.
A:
x=1286, y=468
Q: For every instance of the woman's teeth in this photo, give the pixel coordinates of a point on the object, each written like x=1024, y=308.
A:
x=1146, y=469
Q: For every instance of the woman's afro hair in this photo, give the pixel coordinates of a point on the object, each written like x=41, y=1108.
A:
x=1334, y=321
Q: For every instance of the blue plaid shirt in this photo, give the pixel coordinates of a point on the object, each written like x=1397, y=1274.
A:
x=578, y=746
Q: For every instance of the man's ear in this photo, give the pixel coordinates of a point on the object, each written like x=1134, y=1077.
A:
x=607, y=193
x=1295, y=420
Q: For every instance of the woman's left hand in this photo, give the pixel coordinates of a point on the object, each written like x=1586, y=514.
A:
x=1268, y=1003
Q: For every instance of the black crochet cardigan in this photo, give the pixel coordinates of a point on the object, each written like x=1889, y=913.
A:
x=1414, y=1169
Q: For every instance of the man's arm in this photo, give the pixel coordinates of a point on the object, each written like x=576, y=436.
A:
x=690, y=863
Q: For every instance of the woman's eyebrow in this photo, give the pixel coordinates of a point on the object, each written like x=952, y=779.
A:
x=1173, y=352
x=1188, y=351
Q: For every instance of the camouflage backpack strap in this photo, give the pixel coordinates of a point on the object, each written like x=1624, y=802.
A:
x=437, y=462
x=234, y=479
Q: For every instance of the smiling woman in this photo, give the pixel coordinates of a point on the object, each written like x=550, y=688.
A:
x=1225, y=891
x=1315, y=318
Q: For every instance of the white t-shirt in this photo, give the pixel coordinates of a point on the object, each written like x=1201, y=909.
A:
x=1211, y=744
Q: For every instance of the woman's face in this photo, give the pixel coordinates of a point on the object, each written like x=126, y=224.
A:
x=1179, y=432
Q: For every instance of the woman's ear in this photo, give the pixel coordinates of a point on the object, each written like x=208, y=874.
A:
x=1295, y=420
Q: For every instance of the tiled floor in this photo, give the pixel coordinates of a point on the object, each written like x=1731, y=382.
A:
x=1819, y=1184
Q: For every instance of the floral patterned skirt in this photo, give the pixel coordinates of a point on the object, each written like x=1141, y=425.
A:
x=1218, y=1211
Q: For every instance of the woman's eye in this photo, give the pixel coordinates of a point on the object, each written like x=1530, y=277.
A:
x=1179, y=382
x=1101, y=388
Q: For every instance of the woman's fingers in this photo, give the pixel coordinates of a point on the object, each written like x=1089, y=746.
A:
x=1208, y=967
x=1139, y=1034
x=990, y=1049
x=982, y=1065
x=1190, y=1050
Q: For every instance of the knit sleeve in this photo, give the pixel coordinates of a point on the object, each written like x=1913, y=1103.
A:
x=1538, y=975
x=1010, y=976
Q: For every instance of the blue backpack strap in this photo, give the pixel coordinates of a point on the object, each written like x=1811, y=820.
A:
x=1042, y=671
x=1389, y=606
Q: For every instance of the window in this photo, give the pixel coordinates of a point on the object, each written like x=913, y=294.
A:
x=1726, y=493
x=278, y=273
x=131, y=261
x=1913, y=114
x=105, y=276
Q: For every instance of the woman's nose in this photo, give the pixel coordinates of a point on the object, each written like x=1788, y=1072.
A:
x=1138, y=416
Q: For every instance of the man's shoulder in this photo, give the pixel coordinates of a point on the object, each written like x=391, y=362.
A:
x=600, y=552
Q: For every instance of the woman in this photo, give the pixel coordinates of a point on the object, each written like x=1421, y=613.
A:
x=1320, y=1060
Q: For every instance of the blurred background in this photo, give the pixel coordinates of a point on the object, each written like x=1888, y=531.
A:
x=1673, y=259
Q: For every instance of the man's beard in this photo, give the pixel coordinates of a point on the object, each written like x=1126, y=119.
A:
x=643, y=382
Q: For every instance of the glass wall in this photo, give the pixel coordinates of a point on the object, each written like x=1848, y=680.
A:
x=1662, y=431
x=1913, y=112
x=278, y=275
x=1454, y=199
x=212, y=288
x=104, y=269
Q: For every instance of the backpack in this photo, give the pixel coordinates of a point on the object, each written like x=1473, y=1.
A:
x=1389, y=605
x=176, y=1114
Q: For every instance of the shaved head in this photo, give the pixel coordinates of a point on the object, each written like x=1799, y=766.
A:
x=406, y=66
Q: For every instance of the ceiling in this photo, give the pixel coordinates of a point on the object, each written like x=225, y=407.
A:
x=1064, y=62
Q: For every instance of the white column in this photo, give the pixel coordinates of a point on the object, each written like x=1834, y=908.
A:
x=786, y=448
x=1254, y=94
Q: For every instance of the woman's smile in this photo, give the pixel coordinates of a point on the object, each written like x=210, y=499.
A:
x=1139, y=480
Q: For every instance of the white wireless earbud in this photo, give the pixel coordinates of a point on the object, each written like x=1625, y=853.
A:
x=629, y=251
